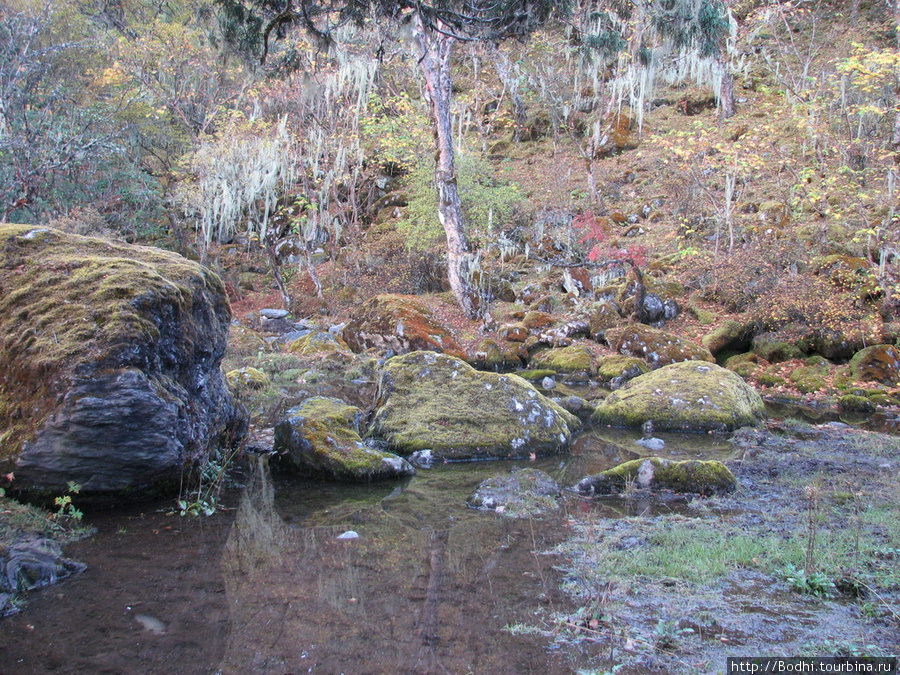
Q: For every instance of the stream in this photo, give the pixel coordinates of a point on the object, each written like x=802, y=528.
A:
x=268, y=587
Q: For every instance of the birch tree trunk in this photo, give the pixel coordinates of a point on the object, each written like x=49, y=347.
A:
x=434, y=50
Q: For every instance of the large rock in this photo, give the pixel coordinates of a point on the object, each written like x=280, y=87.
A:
x=688, y=396
x=438, y=402
x=656, y=473
x=400, y=323
x=109, y=363
x=320, y=438
x=878, y=363
x=654, y=346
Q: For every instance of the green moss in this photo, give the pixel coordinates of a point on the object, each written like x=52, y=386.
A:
x=67, y=301
x=573, y=359
x=320, y=438
x=726, y=335
x=687, y=396
x=654, y=346
x=691, y=476
x=809, y=379
x=438, y=402
x=247, y=378
x=853, y=403
x=774, y=350
x=535, y=375
x=767, y=379
x=317, y=343
x=879, y=363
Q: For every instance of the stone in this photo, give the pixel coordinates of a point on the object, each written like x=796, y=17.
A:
x=655, y=473
x=773, y=350
x=878, y=363
x=109, y=364
x=654, y=346
x=318, y=343
x=274, y=313
x=602, y=316
x=572, y=360
x=247, y=378
x=615, y=370
x=438, y=402
x=320, y=439
x=522, y=493
x=687, y=396
x=729, y=335
x=401, y=323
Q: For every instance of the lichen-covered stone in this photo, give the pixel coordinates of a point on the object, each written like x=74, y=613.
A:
x=401, y=323
x=109, y=363
x=492, y=355
x=247, y=378
x=523, y=493
x=810, y=378
x=654, y=346
x=428, y=400
x=317, y=343
x=879, y=363
x=616, y=369
x=575, y=359
x=655, y=473
x=773, y=350
x=601, y=316
x=730, y=334
x=688, y=396
x=320, y=438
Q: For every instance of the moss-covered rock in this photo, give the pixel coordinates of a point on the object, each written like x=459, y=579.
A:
x=109, y=363
x=492, y=355
x=879, y=363
x=320, y=438
x=401, y=323
x=810, y=378
x=774, y=350
x=615, y=370
x=318, y=342
x=686, y=396
x=247, y=378
x=655, y=473
x=438, y=402
x=729, y=335
x=523, y=493
x=601, y=316
x=572, y=360
x=856, y=404
x=654, y=346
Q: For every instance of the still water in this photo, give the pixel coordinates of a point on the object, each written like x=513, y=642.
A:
x=428, y=586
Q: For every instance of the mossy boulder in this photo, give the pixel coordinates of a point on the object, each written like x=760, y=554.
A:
x=438, y=402
x=401, y=323
x=729, y=335
x=879, y=363
x=320, y=439
x=810, y=378
x=572, y=360
x=655, y=473
x=492, y=355
x=247, y=378
x=318, y=342
x=616, y=369
x=523, y=493
x=687, y=396
x=654, y=346
x=109, y=363
x=769, y=347
x=601, y=316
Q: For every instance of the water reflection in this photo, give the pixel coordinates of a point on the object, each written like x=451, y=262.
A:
x=427, y=587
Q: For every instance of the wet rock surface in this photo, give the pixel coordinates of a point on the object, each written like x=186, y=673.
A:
x=523, y=493
x=656, y=473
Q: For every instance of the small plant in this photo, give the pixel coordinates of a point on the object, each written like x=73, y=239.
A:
x=65, y=507
x=668, y=635
x=203, y=500
x=814, y=583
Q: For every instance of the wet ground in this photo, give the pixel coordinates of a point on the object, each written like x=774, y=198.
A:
x=431, y=586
